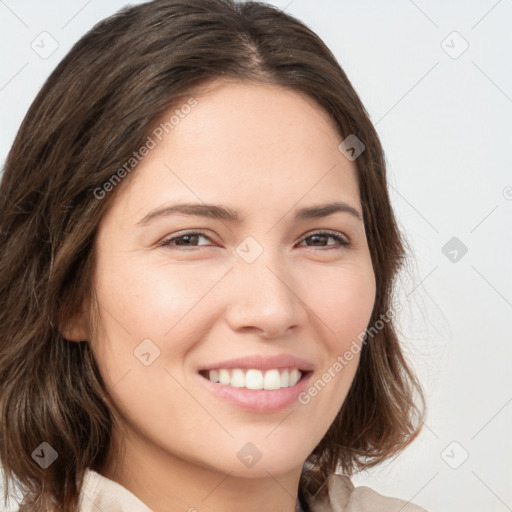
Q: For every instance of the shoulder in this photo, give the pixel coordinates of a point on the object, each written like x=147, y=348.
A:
x=343, y=496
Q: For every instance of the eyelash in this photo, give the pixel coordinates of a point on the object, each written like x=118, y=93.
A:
x=343, y=242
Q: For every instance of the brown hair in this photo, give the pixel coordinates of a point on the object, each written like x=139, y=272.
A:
x=93, y=112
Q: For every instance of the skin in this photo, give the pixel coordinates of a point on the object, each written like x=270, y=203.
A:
x=266, y=152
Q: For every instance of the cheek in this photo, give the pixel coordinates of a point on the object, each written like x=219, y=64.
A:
x=149, y=301
x=343, y=299
x=160, y=310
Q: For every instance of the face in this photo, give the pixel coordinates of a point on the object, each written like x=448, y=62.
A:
x=181, y=292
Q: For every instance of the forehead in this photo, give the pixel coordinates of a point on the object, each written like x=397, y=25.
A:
x=246, y=144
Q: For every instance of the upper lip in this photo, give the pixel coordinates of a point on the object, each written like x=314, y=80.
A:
x=263, y=362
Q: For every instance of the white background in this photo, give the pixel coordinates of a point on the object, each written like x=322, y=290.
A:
x=445, y=124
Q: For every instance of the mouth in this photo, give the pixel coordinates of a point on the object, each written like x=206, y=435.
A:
x=256, y=379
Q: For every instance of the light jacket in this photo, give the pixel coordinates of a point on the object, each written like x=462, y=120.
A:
x=101, y=493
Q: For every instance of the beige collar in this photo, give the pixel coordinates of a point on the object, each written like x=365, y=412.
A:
x=101, y=493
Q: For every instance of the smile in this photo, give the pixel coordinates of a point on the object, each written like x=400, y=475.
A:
x=253, y=378
x=257, y=399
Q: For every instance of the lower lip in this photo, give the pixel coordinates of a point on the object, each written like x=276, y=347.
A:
x=259, y=400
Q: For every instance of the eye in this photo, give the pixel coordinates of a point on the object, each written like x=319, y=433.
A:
x=190, y=239
x=185, y=240
x=319, y=235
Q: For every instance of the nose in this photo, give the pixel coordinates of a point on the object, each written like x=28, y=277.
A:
x=265, y=296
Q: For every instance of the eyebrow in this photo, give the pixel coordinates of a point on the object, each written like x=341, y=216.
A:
x=219, y=212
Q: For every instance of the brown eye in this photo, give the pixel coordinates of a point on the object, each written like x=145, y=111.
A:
x=185, y=240
x=319, y=239
x=320, y=236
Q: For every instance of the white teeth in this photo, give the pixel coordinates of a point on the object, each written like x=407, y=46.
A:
x=224, y=377
x=237, y=379
x=256, y=379
x=285, y=378
x=272, y=379
x=294, y=377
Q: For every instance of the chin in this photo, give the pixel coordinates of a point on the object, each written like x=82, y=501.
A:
x=254, y=459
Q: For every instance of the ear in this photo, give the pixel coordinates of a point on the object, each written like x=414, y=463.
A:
x=74, y=333
x=76, y=329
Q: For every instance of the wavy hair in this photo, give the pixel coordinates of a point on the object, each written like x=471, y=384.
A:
x=96, y=108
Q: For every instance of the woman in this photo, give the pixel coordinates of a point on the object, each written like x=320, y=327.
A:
x=144, y=369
